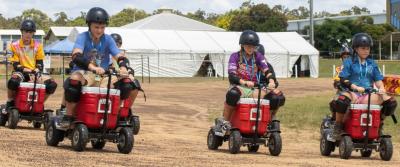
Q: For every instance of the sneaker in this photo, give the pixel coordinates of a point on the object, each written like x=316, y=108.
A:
x=3, y=109
x=221, y=126
x=65, y=121
x=10, y=104
x=62, y=111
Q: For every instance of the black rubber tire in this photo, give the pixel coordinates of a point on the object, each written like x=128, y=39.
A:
x=13, y=118
x=98, y=144
x=386, y=149
x=345, y=147
x=366, y=153
x=36, y=125
x=213, y=141
x=125, y=141
x=80, y=137
x=275, y=144
x=235, y=142
x=253, y=148
x=3, y=119
x=326, y=147
x=135, y=124
x=53, y=135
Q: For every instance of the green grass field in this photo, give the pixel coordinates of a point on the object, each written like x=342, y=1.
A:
x=325, y=66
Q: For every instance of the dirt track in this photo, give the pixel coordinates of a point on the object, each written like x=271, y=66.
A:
x=173, y=133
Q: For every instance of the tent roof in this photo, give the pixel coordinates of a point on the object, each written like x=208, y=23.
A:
x=293, y=43
x=138, y=42
x=270, y=45
x=167, y=41
x=64, y=46
x=48, y=47
x=228, y=41
x=134, y=40
x=169, y=21
x=200, y=42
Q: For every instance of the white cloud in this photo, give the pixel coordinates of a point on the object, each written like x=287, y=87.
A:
x=221, y=5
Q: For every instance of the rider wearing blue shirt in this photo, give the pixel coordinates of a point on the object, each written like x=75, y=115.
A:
x=104, y=48
x=360, y=72
x=91, y=59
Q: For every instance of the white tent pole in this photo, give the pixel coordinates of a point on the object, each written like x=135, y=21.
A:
x=295, y=69
x=383, y=70
x=333, y=70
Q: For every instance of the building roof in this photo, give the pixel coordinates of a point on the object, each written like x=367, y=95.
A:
x=17, y=32
x=338, y=17
x=61, y=31
x=169, y=21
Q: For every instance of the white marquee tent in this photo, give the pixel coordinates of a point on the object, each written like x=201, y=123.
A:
x=173, y=53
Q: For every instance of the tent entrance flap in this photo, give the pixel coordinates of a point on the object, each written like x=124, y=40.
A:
x=301, y=66
x=206, y=68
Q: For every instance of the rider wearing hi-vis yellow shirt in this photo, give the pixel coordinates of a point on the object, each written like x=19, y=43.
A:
x=27, y=58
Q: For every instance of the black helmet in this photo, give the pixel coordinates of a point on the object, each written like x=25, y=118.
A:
x=249, y=37
x=361, y=40
x=28, y=25
x=97, y=15
x=117, y=38
x=260, y=49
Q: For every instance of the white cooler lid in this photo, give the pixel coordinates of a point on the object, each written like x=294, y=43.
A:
x=98, y=90
x=253, y=101
x=365, y=107
x=30, y=85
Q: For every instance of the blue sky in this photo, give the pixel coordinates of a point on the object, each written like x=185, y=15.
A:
x=12, y=8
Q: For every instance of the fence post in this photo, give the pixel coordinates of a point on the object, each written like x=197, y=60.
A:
x=148, y=66
x=141, y=56
x=383, y=70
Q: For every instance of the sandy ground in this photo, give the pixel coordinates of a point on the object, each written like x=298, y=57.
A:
x=174, y=126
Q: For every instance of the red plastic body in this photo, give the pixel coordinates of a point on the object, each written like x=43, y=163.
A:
x=90, y=109
x=124, y=110
x=246, y=113
x=25, y=95
x=356, y=124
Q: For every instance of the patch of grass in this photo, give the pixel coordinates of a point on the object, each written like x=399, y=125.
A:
x=305, y=112
x=325, y=66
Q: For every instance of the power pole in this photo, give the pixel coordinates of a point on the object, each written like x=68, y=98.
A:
x=311, y=23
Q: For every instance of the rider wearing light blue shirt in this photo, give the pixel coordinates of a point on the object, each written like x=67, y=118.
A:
x=361, y=74
x=105, y=47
